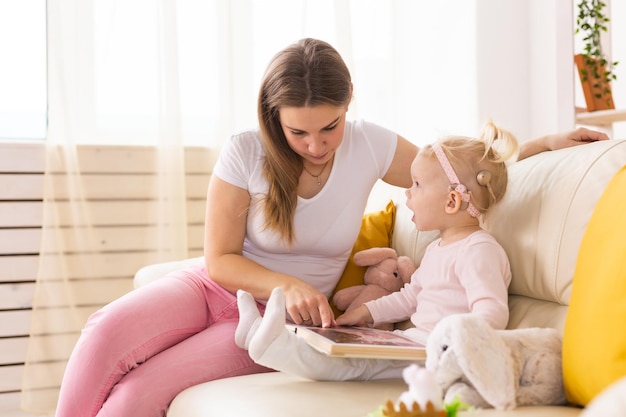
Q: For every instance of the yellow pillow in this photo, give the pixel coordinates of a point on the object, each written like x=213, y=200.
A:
x=376, y=231
x=594, y=339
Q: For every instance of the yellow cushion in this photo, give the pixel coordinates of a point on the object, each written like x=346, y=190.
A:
x=594, y=339
x=376, y=232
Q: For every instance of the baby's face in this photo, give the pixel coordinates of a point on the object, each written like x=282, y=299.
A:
x=428, y=194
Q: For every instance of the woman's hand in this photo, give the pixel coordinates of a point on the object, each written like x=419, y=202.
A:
x=573, y=138
x=307, y=306
x=360, y=316
x=556, y=141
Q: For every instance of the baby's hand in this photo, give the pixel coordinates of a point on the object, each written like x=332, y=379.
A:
x=360, y=316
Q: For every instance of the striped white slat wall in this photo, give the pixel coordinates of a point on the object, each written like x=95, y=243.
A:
x=21, y=190
x=118, y=188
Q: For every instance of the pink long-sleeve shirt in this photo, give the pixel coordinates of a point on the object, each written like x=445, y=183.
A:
x=471, y=275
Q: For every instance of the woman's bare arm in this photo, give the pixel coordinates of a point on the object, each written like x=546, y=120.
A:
x=399, y=172
x=225, y=229
x=555, y=141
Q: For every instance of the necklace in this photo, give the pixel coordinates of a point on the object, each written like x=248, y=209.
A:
x=317, y=177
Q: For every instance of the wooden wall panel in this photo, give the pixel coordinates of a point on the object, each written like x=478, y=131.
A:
x=20, y=214
x=14, y=323
x=21, y=186
x=16, y=295
x=18, y=268
x=120, y=188
x=13, y=350
x=10, y=378
x=20, y=241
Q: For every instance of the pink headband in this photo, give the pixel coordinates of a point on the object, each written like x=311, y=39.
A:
x=454, y=179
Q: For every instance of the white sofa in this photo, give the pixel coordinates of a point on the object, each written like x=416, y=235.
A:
x=540, y=223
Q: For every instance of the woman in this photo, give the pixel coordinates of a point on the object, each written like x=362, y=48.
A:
x=284, y=207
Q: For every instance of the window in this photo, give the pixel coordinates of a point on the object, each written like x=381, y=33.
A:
x=140, y=70
x=23, y=69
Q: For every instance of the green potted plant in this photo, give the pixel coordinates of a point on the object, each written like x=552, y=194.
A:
x=594, y=68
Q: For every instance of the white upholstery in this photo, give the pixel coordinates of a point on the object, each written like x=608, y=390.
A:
x=149, y=273
x=540, y=223
x=278, y=394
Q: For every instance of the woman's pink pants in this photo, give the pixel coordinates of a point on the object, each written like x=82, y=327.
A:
x=137, y=353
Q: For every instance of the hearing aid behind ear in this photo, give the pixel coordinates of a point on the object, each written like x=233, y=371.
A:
x=483, y=177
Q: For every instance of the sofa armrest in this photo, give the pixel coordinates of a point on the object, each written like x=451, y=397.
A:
x=150, y=273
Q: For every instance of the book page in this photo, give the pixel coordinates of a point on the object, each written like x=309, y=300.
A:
x=363, y=336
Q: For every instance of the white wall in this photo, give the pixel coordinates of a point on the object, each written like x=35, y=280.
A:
x=502, y=64
x=525, y=58
x=618, y=53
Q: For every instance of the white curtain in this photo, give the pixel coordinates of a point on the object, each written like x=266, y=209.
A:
x=75, y=254
x=164, y=74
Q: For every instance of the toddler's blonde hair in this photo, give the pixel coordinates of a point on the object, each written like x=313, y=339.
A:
x=481, y=163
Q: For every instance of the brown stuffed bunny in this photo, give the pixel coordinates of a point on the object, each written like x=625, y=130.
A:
x=386, y=273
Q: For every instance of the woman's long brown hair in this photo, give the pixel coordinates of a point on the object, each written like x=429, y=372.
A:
x=306, y=74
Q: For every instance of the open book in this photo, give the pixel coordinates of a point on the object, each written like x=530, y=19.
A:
x=361, y=342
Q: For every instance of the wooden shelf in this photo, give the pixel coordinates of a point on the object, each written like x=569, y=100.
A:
x=601, y=117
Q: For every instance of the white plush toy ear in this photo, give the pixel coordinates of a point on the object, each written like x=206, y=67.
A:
x=485, y=359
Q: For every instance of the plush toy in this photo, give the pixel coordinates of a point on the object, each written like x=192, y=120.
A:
x=423, y=389
x=488, y=368
x=386, y=273
x=424, y=397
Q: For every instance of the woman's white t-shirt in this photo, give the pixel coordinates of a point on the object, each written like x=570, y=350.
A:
x=326, y=225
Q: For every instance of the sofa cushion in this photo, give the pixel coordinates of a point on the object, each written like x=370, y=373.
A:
x=541, y=221
x=278, y=394
x=152, y=272
x=594, y=344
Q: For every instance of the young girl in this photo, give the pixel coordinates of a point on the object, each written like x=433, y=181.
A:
x=464, y=271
